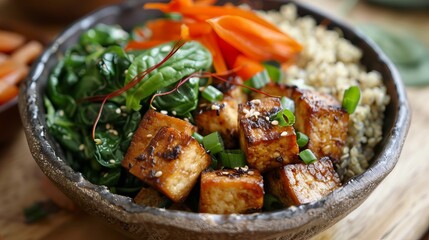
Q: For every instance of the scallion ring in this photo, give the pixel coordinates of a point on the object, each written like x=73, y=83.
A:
x=301, y=139
x=351, y=99
x=213, y=143
x=212, y=94
x=285, y=118
x=307, y=156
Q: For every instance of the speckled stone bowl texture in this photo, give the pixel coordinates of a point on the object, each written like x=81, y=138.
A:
x=152, y=223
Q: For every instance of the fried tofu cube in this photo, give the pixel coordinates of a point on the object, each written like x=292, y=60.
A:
x=296, y=184
x=265, y=144
x=232, y=90
x=171, y=163
x=231, y=191
x=322, y=119
x=150, y=124
x=219, y=117
x=274, y=89
x=148, y=196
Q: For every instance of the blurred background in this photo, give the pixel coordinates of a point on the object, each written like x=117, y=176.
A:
x=399, y=27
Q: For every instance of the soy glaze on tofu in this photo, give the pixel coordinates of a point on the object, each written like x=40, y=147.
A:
x=171, y=163
x=265, y=144
x=149, y=126
x=229, y=191
x=296, y=184
x=219, y=117
x=322, y=119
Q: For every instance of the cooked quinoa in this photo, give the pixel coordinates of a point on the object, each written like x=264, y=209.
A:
x=331, y=64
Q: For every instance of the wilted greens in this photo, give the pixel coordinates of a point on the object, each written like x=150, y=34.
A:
x=98, y=65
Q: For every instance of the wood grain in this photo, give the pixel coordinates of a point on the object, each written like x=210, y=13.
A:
x=397, y=209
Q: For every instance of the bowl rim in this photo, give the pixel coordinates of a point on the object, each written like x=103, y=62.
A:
x=32, y=112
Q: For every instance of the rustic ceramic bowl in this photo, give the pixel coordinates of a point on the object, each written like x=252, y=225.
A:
x=146, y=222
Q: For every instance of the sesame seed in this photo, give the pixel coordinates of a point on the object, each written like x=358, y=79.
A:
x=118, y=111
x=130, y=134
x=158, y=174
x=275, y=122
x=61, y=113
x=267, y=118
x=186, y=119
x=246, y=111
x=256, y=114
x=201, y=88
x=81, y=147
x=283, y=134
x=112, y=161
x=174, y=113
x=149, y=135
x=123, y=107
x=108, y=126
x=256, y=101
x=164, y=112
x=250, y=172
x=215, y=107
x=98, y=141
x=105, y=175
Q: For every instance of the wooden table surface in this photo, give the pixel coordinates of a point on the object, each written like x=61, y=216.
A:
x=397, y=209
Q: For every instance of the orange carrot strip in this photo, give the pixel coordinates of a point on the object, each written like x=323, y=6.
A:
x=247, y=68
x=136, y=45
x=202, y=12
x=9, y=41
x=27, y=53
x=16, y=76
x=205, y=2
x=7, y=92
x=229, y=52
x=209, y=41
x=254, y=40
x=164, y=29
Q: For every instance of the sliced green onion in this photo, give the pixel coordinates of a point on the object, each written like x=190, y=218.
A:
x=287, y=103
x=285, y=118
x=233, y=158
x=351, y=99
x=213, y=143
x=271, y=202
x=274, y=72
x=212, y=94
x=198, y=137
x=307, y=156
x=174, y=16
x=215, y=163
x=258, y=81
x=301, y=139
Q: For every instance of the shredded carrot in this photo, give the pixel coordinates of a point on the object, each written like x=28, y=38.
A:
x=247, y=68
x=254, y=40
x=236, y=37
x=209, y=41
x=16, y=76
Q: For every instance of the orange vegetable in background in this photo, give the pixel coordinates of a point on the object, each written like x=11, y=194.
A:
x=7, y=92
x=9, y=41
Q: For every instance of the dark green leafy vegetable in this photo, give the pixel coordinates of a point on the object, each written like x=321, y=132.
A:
x=185, y=98
x=190, y=58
